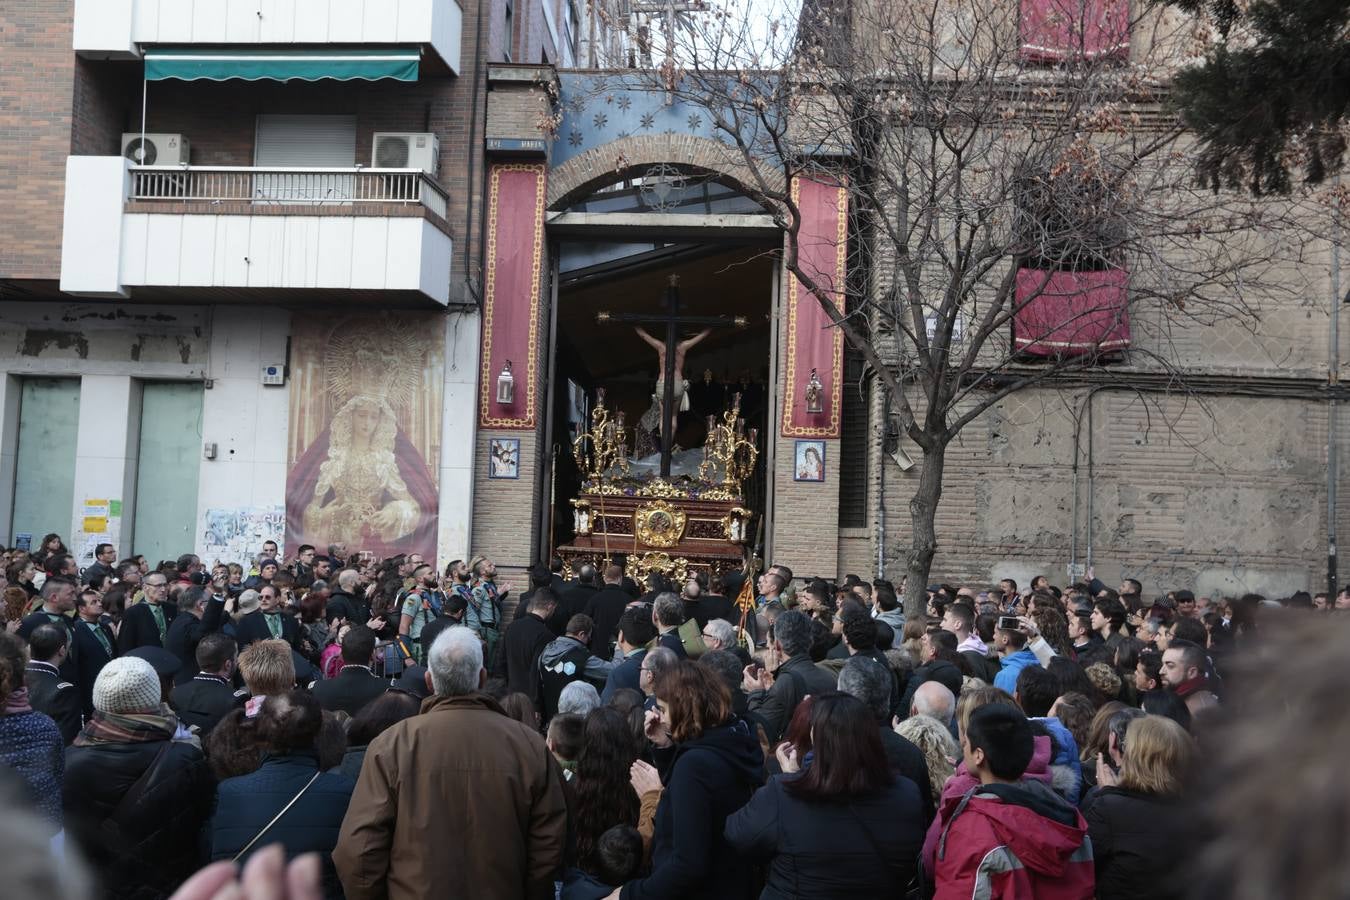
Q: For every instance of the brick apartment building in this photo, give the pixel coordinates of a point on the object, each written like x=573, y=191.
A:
x=187, y=342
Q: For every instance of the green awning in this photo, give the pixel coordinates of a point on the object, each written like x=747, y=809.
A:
x=339, y=64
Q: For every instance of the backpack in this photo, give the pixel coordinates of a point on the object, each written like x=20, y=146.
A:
x=570, y=667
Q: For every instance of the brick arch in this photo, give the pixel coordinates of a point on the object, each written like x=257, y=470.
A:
x=611, y=162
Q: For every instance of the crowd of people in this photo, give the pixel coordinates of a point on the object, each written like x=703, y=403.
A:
x=343, y=726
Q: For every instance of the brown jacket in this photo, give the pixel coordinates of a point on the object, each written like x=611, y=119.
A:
x=459, y=801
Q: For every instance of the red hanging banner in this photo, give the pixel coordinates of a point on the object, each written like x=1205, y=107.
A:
x=1071, y=313
x=1055, y=30
x=511, y=301
x=813, y=342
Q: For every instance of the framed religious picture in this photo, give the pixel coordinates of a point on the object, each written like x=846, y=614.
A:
x=504, y=458
x=809, y=461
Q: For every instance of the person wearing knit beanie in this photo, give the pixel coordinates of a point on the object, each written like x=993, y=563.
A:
x=125, y=686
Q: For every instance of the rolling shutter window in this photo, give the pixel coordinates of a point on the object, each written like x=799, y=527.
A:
x=854, y=443
x=305, y=142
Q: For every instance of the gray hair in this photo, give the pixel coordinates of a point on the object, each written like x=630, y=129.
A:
x=668, y=610
x=455, y=662
x=189, y=598
x=659, y=660
x=865, y=679
x=347, y=579
x=724, y=631
x=792, y=630
x=935, y=700
x=578, y=698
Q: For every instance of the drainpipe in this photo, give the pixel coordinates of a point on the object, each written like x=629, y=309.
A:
x=1333, y=381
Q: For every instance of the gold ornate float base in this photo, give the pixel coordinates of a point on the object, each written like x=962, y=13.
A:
x=658, y=526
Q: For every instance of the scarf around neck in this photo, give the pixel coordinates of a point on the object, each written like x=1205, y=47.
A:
x=128, y=728
x=16, y=703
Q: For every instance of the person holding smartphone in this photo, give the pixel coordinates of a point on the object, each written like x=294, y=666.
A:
x=1010, y=641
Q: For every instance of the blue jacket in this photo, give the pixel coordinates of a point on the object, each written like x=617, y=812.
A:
x=627, y=674
x=244, y=805
x=1066, y=755
x=1012, y=667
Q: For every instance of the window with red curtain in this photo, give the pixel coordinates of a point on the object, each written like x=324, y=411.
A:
x=1064, y=313
x=1056, y=30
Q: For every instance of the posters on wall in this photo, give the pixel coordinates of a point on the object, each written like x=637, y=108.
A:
x=237, y=535
x=100, y=523
x=365, y=432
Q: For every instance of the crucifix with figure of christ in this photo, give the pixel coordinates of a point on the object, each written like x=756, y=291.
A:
x=671, y=353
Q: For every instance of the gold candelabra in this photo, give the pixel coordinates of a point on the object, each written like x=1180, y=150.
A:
x=607, y=439
x=729, y=447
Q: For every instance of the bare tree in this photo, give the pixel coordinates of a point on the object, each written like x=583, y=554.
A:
x=1002, y=195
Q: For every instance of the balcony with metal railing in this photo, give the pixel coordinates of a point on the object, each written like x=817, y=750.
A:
x=254, y=233
x=288, y=188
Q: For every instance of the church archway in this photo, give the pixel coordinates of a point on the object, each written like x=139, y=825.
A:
x=632, y=156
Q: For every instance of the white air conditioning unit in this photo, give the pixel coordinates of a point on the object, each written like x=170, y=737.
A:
x=156, y=149
x=396, y=150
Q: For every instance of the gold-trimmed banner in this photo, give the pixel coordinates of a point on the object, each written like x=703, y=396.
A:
x=813, y=342
x=511, y=301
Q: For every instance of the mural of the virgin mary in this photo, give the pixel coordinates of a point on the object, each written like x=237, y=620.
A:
x=362, y=481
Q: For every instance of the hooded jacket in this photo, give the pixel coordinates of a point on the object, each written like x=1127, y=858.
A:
x=707, y=779
x=1013, y=664
x=1014, y=842
x=962, y=782
x=596, y=670
x=1066, y=769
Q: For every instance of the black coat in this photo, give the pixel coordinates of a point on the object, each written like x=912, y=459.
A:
x=518, y=656
x=353, y=688
x=571, y=601
x=605, y=607
x=90, y=658
x=793, y=680
x=865, y=849
x=707, y=779
x=205, y=700
x=253, y=627
x=139, y=628
x=95, y=571
x=49, y=693
x=245, y=805
x=186, y=632
x=143, y=851
x=671, y=641
x=939, y=670
x=1133, y=834
x=342, y=605
x=906, y=759
x=708, y=607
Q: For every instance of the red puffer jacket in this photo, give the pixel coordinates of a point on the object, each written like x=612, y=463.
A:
x=1013, y=842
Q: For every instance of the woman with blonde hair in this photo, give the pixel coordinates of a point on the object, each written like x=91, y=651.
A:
x=939, y=748
x=1138, y=817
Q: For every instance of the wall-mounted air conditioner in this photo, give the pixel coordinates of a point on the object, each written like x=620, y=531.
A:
x=156, y=149
x=397, y=150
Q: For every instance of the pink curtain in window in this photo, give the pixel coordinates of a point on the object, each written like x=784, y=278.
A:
x=1071, y=313
x=1054, y=30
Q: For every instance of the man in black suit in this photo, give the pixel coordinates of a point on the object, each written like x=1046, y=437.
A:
x=523, y=643
x=268, y=621
x=209, y=695
x=197, y=617
x=105, y=557
x=574, y=598
x=146, y=624
x=356, y=685
x=668, y=616
x=348, y=600
x=95, y=646
x=58, y=601
x=48, y=692
x=605, y=607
